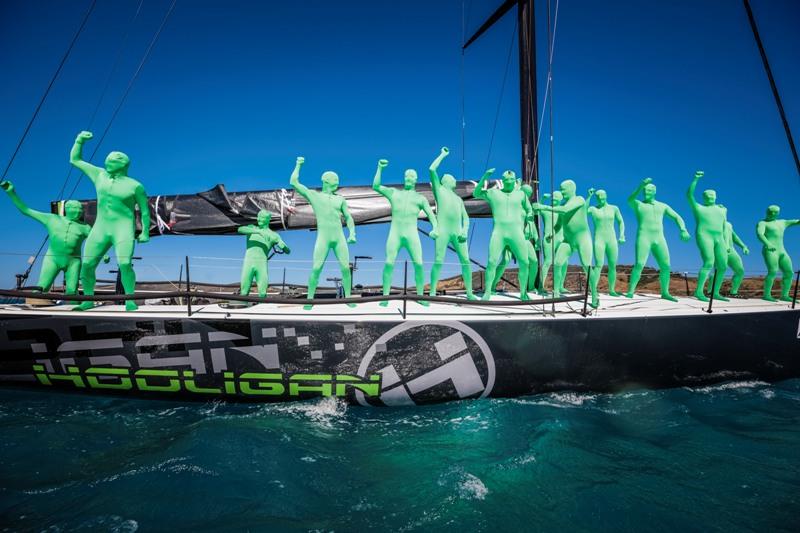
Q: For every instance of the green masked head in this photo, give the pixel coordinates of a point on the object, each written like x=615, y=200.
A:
x=649, y=192
x=773, y=211
x=602, y=197
x=330, y=181
x=449, y=182
x=568, y=189
x=117, y=163
x=263, y=218
x=709, y=197
x=410, y=179
x=557, y=197
x=73, y=210
x=509, y=180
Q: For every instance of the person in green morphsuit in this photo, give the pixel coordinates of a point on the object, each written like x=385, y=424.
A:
x=329, y=208
x=117, y=198
x=532, y=237
x=650, y=236
x=577, y=238
x=260, y=240
x=734, y=260
x=406, y=204
x=510, y=209
x=65, y=236
x=710, y=236
x=553, y=237
x=453, y=225
x=604, y=215
x=770, y=233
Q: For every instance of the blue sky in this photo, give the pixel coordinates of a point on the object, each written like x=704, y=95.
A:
x=235, y=90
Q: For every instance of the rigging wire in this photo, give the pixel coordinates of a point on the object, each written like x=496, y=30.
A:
x=103, y=93
x=133, y=79
x=146, y=55
x=551, y=37
x=49, y=86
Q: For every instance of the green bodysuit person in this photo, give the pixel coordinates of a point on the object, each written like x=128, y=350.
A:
x=770, y=233
x=329, y=208
x=553, y=237
x=403, y=233
x=532, y=236
x=260, y=240
x=604, y=215
x=710, y=236
x=115, y=224
x=577, y=238
x=650, y=236
x=734, y=260
x=65, y=237
x=510, y=210
x=453, y=225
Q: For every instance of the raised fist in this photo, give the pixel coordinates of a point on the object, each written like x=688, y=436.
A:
x=84, y=136
x=7, y=186
x=591, y=191
x=445, y=150
x=383, y=163
x=489, y=172
x=647, y=181
x=301, y=160
x=699, y=174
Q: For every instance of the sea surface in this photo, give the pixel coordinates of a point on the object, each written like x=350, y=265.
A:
x=719, y=458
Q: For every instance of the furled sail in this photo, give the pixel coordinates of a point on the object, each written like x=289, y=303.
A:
x=219, y=212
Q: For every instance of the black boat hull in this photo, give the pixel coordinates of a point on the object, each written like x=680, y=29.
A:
x=391, y=362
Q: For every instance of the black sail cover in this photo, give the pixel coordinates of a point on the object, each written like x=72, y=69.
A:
x=219, y=212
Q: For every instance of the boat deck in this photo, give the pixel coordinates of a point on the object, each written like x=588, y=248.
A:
x=611, y=307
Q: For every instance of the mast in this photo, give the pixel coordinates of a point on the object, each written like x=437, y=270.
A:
x=528, y=111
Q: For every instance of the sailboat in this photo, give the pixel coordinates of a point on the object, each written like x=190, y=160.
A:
x=403, y=354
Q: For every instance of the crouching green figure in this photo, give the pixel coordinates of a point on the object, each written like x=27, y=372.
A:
x=117, y=198
x=329, y=208
x=650, y=236
x=710, y=235
x=510, y=210
x=453, y=225
x=260, y=240
x=65, y=237
x=403, y=233
x=770, y=233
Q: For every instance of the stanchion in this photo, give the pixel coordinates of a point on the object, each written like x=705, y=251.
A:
x=711, y=296
x=188, y=290
x=405, y=286
x=686, y=280
x=796, y=283
x=585, y=294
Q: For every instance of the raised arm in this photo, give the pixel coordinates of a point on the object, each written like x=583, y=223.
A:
x=633, y=198
x=692, y=187
x=435, y=167
x=38, y=216
x=348, y=220
x=76, y=157
x=479, y=192
x=671, y=213
x=621, y=222
x=793, y=222
x=246, y=230
x=144, y=210
x=376, y=181
x=294, y=180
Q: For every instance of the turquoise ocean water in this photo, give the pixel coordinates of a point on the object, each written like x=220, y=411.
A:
x=718, y=458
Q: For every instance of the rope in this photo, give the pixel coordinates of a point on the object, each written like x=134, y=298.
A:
x=49, y=86
x=133, y=79
x=551, y=42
